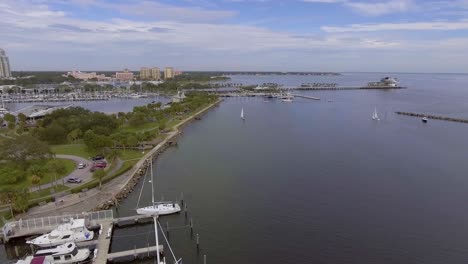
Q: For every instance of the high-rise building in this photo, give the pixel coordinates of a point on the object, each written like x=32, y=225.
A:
x=4, y=65
x=168, y=73
x=124, y=76
x=155, y=73
x=145, y=73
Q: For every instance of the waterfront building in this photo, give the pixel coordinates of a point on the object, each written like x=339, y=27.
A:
x=145, y=73
x=126, y=75
x=87, y=75
x=168, y=73
x=155, y=73
x=5, y=71
x=179, y=97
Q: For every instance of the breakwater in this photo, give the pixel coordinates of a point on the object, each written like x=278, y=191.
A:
x=142, y=165
x=444, y=118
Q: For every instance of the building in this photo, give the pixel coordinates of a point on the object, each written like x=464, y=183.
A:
x=179, y=97
x=5, y=71
x=87, y=75
x=155, y=73
x=145, y=73
x=168, y=73
x=124, y=76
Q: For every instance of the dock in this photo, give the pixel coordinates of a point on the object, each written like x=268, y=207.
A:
x=102, y=220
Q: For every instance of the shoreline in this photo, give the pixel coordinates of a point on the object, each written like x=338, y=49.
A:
x=118, y=188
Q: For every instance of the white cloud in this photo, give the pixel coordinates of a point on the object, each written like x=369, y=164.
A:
x=381, y=8
x=420, y=26
x=324, y=1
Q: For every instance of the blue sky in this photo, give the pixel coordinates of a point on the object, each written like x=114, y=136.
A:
x=268, y=35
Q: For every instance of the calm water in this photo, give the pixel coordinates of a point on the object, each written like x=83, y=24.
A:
x=113, y=105
x=319, y=181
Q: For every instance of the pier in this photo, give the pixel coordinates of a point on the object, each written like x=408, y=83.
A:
x=348, y=88
x=444, y=118
x=305, y=96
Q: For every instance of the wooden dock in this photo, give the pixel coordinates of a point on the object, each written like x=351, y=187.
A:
x=133, y=254
x=104, y=241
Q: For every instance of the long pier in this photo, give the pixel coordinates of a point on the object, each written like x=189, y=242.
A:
x=444, y=118
x=305, y=96
x=348, y=88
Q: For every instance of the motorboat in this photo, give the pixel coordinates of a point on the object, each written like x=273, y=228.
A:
x=424, y=119
x=287, y=98
x=73, y=231
x=64, y=254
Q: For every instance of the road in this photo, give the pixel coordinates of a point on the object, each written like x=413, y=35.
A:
x=84, y=174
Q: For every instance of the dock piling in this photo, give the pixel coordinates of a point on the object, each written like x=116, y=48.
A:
x=167, y=229
x=191, y=227
x=198, y=243
x=182, y=198
x=204, y=259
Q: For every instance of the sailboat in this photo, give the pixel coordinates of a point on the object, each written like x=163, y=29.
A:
x=158, y=208
x=3, y=110
x=375, y=116
x=242, y=114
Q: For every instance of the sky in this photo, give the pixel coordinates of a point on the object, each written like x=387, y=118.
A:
x=237, y=35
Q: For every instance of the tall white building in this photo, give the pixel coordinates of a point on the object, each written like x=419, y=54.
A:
x=4, y=65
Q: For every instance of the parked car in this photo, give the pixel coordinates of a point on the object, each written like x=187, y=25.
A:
x=94, y=168
x=100, y=164
x=74, y=180
x=81, y=165
x=98, y=157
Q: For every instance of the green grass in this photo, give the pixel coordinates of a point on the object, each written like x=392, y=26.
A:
x=70, y=166
x=72, y=149
x=129, y=154
x=47, y=192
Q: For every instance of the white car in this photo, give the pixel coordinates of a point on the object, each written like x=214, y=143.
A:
x=81, y=166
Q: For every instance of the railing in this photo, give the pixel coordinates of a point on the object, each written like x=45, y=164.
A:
x=24, y=226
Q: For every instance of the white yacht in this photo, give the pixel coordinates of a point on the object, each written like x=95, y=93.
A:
x=74, y=231
x=158, y=208
x=64, y=254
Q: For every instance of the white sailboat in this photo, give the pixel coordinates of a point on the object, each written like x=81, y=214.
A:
x=74, y=231
x=3, y=110
x=375, y=116
x=242, y=114
x=158, y=208
x=64, y=254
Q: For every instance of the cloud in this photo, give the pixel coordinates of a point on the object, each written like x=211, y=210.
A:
x=372, y=8
x=419, y=26
x=381, y=8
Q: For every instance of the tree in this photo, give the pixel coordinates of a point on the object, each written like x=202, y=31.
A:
x=36, y=180
x=22, y=117
x=132, y=140
x=57, y=168
x=20, y=200
x=99, y=174
x=23, y=149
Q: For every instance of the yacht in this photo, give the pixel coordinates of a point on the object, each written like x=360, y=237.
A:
x=64, y=254
x=73, y=231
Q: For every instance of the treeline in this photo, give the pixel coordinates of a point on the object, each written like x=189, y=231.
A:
x=38, y=78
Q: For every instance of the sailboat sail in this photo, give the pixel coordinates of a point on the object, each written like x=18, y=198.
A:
x=242, y=114
x=374, y=115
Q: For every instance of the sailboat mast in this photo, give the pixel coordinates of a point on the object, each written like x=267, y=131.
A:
x=152, y=182
x=157, y=238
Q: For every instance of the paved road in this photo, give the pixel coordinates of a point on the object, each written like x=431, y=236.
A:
x=84, y=174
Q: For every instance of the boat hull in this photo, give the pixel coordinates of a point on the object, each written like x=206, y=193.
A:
x=160, y=209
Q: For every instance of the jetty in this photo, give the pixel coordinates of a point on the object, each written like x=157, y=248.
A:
x=444, y=118
x=305, y=96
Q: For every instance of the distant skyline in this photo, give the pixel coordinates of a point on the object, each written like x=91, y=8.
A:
x=236, y=35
